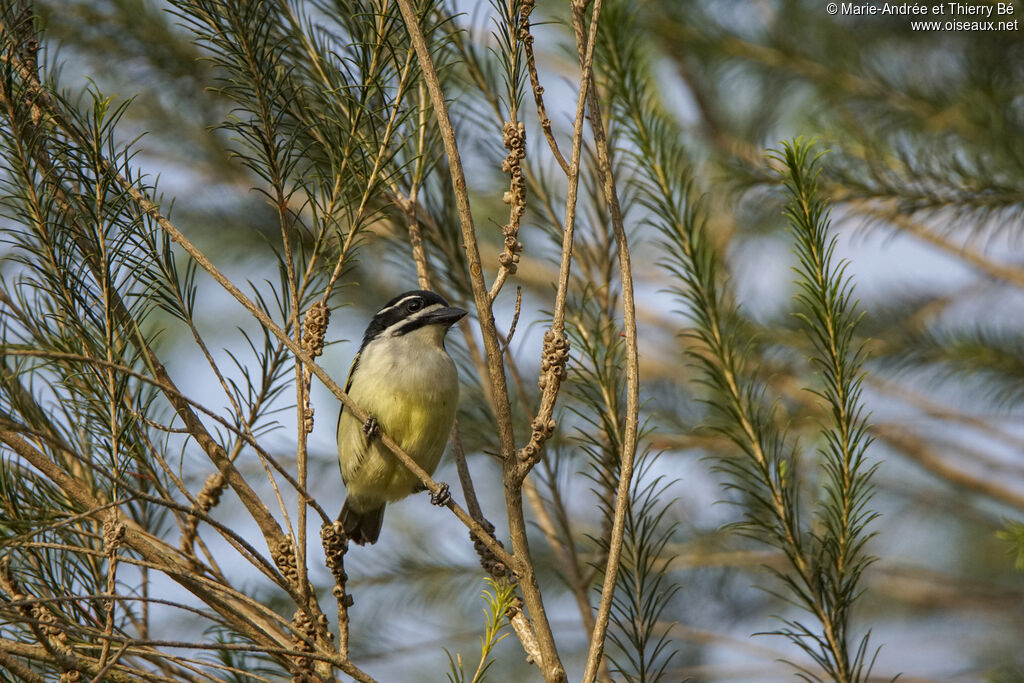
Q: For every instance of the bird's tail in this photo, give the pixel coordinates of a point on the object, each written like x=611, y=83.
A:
x=361, y=526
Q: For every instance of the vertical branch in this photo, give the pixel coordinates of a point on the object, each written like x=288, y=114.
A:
x=113, y=536
x=304, y=414
x=419, y=255
x=335, y=546
x=564, y=547
x=632, y=419
x=104, y=273
x=552, y=666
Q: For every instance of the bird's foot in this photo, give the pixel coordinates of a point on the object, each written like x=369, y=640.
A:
x=371, y=428
x=442, y=497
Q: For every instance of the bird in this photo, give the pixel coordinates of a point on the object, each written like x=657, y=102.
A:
x=404, y=379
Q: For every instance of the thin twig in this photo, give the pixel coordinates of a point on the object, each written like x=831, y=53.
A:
x=515, y=319
x=114, y=660
x=555, y=352
x=538, y=90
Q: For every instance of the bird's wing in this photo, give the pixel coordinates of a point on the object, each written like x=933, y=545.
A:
x=348, y=385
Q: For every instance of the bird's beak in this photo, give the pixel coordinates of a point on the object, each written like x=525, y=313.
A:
x=445, y=316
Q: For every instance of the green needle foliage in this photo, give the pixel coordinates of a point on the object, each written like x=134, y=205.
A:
x=828, y=312
x=499, y=603
x=78, y=293
x=823, y=566
x=824, y=561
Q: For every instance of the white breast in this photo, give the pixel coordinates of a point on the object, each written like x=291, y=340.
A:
x=415, y=363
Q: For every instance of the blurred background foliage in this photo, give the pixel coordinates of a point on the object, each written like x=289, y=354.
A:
x=926, y=178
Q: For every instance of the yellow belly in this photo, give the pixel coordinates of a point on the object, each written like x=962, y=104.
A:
x=416, y=410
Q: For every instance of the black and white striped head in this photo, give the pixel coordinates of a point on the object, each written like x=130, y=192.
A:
x=411, y=311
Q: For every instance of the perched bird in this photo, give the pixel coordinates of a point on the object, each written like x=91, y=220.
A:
x=404, y=379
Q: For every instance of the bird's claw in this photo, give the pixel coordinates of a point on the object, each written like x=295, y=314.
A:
x=442, y=496
x=371, y=429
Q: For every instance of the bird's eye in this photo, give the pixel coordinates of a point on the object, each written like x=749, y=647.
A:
x=415, y=305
